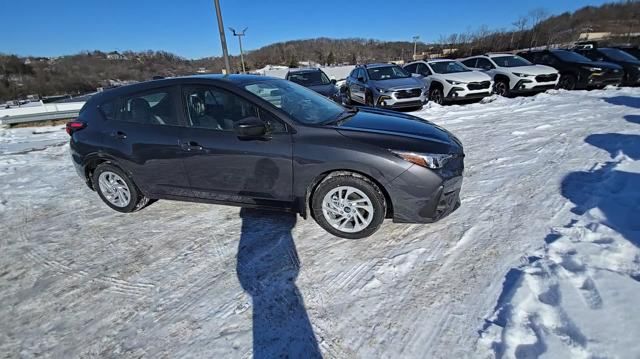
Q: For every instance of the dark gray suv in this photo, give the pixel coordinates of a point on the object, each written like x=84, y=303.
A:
x=385, y=86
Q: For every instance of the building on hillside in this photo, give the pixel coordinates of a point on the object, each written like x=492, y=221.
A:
x=594, y=36
x=115, y=55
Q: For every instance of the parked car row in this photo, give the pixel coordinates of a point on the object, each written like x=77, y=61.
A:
x=445, y=80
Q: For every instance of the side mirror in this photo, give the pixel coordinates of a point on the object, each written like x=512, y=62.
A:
x=333, y=81
x=361, y=79
x=250, y=128
x=417, y=75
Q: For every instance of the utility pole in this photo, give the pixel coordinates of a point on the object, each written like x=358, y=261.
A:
x=240, y=35
x=223, y=39
x=415, y=46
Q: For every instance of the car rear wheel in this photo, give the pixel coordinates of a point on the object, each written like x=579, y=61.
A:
x=436, y=95
x=117, y=190
x=567, y=82
x=348, y=206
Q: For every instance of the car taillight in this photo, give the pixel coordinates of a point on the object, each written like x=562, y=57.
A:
x=74, y=126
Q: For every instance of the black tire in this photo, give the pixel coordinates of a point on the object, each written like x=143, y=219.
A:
x=368, y=100
x=347, y=98
x=137, y=200
x=567, y=82
x=501, y=87
x=361, y=183
x=436, y=95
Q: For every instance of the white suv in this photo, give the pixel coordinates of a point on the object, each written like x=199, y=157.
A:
x=449, y=80
x=513, y=74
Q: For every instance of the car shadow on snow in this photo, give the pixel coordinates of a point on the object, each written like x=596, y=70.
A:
x=629, y=101
x=612, y=191
x=267, y=268
x=633, y=118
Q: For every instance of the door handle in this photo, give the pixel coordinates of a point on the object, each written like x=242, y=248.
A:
x=191, y=145
x=119, y=135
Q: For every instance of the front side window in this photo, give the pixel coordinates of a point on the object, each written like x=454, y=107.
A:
x=570, y=56
x=303, y=105
x=511, y=61
x=387, y=73
x=448, y=67
x=152, y=108
x=618, y=55
x=484, y=64
x=217, y=109
x=310, y=78
x=412, y=68
x=423, y=70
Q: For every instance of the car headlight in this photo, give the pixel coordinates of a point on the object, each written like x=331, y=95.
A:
x=427, y=160
x=455, y=82
x=519, y=74
x=592, y=69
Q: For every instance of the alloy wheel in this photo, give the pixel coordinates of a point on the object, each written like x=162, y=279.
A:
x=500, y=88
x=347, y=209
x=114, y=189
x=436, y=96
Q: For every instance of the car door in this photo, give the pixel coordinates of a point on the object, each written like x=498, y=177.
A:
x=358, y=86
x=225, y=168
x=424, y=70
x=142, y=136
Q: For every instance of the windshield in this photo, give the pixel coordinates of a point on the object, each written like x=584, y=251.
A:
x=618, y=55
x=448, y=67
x=510, y=61
x=303, y=105
x=387, y=73
x=310, y=78
x=570, y=56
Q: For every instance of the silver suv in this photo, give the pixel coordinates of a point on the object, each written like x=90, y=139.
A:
x=385, y=86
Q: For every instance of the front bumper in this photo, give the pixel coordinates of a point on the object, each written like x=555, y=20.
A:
x=391, y=100
x=420, y=195
x=601, y=79
x=526, y=86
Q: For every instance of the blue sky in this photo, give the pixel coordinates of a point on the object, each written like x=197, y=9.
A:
x=188, y=28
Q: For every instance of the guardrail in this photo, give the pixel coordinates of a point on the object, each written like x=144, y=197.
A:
x=43, y=112
x=35, y=117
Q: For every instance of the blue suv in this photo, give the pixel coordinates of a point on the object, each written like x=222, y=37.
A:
x=385, y=86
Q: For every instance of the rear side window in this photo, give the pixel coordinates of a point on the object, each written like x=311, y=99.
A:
x=156, y=107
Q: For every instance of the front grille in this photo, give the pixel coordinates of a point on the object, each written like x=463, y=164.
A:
x=478, y=85
x=547, y=78
x=408, y=93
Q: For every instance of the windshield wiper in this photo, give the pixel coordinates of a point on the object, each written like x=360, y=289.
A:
x=343, y=116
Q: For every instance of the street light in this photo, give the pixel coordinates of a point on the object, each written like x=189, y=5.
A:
x=415, y=45
x=223, y=39
x=240, y=35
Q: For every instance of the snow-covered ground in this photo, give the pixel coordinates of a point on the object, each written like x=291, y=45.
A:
x=541, y=259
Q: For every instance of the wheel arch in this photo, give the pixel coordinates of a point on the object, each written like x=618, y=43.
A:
x=311, y=188
x=92, y=162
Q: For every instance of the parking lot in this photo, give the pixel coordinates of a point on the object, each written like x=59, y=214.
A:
x=194, y=280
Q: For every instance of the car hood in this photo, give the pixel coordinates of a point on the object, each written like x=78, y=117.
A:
x=398, y=84
x=534, y=70
x=471, y=76
x=326, y=90
x=404, y=130
x=603, y=64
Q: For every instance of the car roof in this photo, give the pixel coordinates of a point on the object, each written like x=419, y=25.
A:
x=371, y=66
x=237, y=80
x=440, y=60
x=498, y=55
x=304, y=69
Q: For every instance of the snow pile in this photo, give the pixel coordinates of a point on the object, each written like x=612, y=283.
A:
x=577, y=296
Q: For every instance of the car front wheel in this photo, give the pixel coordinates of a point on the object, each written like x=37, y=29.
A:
x=436, y=95
x=501, y=88
x=117, y=190
x=349, y=206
